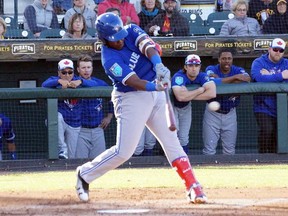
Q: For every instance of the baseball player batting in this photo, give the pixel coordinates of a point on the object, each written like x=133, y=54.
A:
x=131, y=61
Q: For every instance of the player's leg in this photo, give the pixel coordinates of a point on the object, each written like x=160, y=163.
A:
x=184, y=125
x=62, y=145
x=173, y=150
x=72, y=134
x=267, y=140
x=98, y=142
x=140, y=146
x=229, y=132
x=83, y=143
x=132, y=110
x=149, y=143
x=211, y=131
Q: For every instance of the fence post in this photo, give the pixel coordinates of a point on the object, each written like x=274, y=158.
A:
x=282, y=138
x=52, y=125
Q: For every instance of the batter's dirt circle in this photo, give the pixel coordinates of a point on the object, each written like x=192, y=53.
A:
x=159, y=201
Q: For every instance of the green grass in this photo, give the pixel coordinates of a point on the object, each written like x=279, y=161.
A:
x=256, y=176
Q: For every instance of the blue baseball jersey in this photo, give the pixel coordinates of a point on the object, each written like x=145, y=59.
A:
x=227, y=102
x=6, y=130
x=267, y=103
x=69, y=108
x=92, y=109
x=180, y=79
x=119, y=65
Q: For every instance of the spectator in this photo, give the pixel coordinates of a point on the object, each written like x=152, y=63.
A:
x=61, y=6
x=3, y=28
x=278, y=22
x=149, y=10
x=7, y=133
x=77, y=28
x=270, y=67
x=91, y=139
x=222, y=124
x=80, y=7
x=146, y=144
x=69, y=110
x=190, y=74
x=170, y=23
x=114, y=10
x=261, y=10
x=128, y=11
x=39, y=16
x=240, y=24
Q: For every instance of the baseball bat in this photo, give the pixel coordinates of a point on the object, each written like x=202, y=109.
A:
x=170, y=116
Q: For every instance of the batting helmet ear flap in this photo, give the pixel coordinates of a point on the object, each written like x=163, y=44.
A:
x=110, y=27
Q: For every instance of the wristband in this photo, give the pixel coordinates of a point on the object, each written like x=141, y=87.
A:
x=155, y=59
x=150, y=86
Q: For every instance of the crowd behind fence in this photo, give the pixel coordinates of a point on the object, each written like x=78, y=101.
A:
x=240, y=18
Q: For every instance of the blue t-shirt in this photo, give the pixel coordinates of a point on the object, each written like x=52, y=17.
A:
x=227, y=102
x=69, y=108
x=267, y=103
x=180, y=79
x=92, y=109
x=119, y=65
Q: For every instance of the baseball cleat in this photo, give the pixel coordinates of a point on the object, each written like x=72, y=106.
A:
x=82, y=188
x=196, y=195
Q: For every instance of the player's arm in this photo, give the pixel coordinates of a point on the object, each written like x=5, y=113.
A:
x=143, y=85
x=209, y=92
x=237, y=78
x=257, y=76
x=182, y=94
x=152, y=51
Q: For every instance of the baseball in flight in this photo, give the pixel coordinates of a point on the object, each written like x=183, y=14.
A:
x=214, y=106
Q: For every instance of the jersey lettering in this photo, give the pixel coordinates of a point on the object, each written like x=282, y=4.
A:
x=133, y=60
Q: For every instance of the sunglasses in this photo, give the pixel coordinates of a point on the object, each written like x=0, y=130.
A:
x=278, y=50
x=67, y=72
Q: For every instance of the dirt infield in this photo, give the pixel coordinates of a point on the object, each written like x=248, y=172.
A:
x=153, y=201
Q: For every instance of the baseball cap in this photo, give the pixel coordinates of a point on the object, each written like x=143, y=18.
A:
x=192, y=59
x=284, y=1
x=278, y=43
x=65, y=63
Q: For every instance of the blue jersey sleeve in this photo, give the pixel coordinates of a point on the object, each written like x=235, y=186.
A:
x=259, y=64
x=51, y=82
x=179, y=79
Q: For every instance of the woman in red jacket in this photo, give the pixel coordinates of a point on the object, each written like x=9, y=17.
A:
x=128, y=11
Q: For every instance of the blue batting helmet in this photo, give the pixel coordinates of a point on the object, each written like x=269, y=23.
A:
x=109, y=26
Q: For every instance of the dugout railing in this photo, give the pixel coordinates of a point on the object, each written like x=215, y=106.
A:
x=34, y=116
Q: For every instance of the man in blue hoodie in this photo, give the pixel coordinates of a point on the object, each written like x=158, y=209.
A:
x=270, y=67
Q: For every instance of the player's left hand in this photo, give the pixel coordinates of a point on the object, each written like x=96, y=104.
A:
x=74, y=83
x=163, y=74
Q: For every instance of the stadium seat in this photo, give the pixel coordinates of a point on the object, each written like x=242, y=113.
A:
x=91, y=31
x=18, y=34
x=52, y=33
x=11, y=23
x=196, y=24
x=215, y=20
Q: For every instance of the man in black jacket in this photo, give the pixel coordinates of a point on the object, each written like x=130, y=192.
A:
x=261, y=10
x=170, y=23
x=278, y=22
